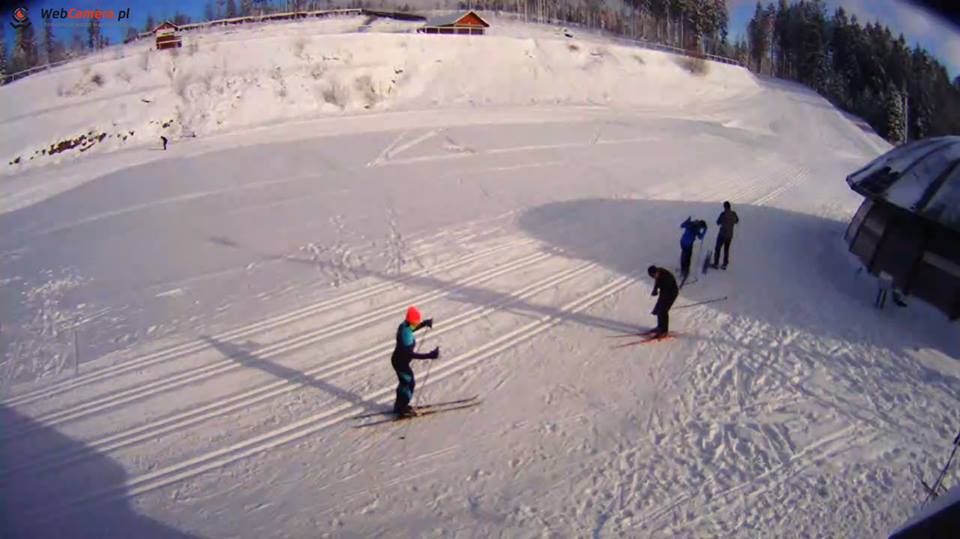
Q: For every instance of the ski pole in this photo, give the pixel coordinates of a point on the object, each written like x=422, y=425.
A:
x=426, y=377
x=714, y=300
x=699, y=255
x=943, y=473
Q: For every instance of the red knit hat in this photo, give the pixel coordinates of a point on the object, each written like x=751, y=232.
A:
x=413, y=316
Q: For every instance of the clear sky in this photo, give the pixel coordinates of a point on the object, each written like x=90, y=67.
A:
x=919, y=26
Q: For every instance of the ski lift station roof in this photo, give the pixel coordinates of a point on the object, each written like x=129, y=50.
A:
x=922, y=177
x=907, y=231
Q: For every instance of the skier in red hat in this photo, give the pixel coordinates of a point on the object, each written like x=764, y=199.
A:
x=403, y=353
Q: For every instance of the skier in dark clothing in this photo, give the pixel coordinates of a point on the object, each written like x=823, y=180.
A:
x=692, y=231
x=163, y=139
x=726, y=222
x=403, y=353
x=665, y=285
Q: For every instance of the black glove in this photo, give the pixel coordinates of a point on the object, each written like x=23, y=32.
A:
x=654, y=293
x=435, y=353
x=428, y=323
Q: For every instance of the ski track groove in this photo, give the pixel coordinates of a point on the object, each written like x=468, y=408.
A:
x=221, y=366
x=240, y=401
x=218, y=458
x=191, y=347
x=513, y=149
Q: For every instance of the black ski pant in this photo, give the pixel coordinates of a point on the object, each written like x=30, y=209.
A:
x=685, y=254
x=662, y=310
x=404, y=387
x=722, y=242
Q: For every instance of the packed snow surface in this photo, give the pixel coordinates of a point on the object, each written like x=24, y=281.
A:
x=188, y=335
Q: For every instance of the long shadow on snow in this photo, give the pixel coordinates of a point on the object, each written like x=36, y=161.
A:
x=38, y=504
x=467, y=294
x=787, y=269
x=249, y=359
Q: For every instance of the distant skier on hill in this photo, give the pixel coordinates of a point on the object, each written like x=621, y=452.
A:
x=403, y=353
x=727, y=220
x=692, y=231
x=664, y=285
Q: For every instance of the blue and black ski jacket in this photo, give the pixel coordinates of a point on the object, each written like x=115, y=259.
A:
x=404, y=352
x=692, y=231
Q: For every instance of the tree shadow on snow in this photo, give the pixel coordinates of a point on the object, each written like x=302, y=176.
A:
x=84, y=500
x=787, y=269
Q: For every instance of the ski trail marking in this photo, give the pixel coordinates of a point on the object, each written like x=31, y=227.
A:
x=386, y=151
x=194, y=466
x=221, y=366
x=264, y=324
x=191, y=347
x=396, y=147
x=515, y=149
x=274, y=389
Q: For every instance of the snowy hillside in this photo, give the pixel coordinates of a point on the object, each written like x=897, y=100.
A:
x=224, y=80
x=233, y=301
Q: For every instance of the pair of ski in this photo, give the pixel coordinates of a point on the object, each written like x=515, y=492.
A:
x=646, y=337
x=420, y=411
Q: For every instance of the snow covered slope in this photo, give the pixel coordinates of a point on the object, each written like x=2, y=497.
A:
x=234, y=301
x=226, y=80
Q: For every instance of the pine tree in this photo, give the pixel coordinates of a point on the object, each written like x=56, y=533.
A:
x=52, y=48
x=77, y=45
x=759, y=33
x=231, y=9
x=894, y=109
x=93, y=34
x=150, y=24
x=25, y=53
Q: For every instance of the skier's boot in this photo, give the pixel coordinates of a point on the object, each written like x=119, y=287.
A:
x=407, y=411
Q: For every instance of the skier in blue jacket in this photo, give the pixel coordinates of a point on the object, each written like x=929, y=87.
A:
x=403, y=353
x=692, y=231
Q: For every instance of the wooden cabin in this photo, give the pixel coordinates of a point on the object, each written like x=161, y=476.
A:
x=168, y=36
x=468, y=23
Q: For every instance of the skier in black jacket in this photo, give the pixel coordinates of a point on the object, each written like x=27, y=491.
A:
x=727, y=220
x=665, y=285
x=403, y=353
